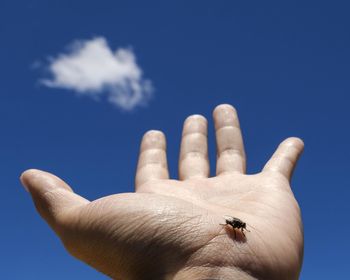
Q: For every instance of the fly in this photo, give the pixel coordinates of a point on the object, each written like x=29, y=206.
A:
x=235, y=223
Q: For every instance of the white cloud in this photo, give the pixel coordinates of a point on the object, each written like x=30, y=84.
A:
x=91, y=68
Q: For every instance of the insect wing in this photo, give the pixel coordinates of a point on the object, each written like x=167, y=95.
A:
x=229, y=218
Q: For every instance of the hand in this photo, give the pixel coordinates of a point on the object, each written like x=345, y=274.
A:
x=170, y=229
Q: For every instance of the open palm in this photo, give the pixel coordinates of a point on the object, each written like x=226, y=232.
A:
x=172, y=229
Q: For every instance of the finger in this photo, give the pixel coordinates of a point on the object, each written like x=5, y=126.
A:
x=230, y=149
x=52, y=197
x=285, y=157
x=193, y=161
x=152, y=164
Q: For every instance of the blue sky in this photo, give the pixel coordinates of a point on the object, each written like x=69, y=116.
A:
x=283, y=64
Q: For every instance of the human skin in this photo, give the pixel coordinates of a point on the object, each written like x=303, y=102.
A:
x=172, y=229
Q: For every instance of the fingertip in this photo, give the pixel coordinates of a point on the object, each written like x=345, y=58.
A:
x=294, y=142
x=294, y=145
x=225, y=115
x=27, y=173
x=38, y=180
x=286, y=156
x=27, y=176
x=224, y=107
x=196, y=117
x=153, y=139
x=153, y=133
x=195, y=124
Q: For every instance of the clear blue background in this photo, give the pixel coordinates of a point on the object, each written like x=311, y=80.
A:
x=283, y=64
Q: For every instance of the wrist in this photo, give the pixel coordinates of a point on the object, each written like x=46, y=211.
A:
x=211, y=273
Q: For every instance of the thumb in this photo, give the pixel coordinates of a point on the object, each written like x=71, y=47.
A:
x=52, y=196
